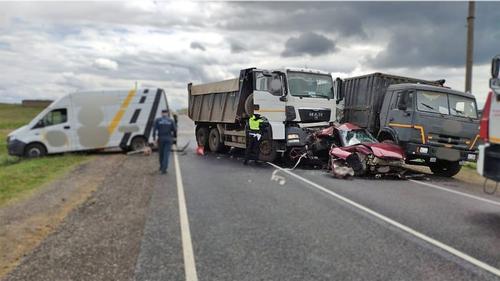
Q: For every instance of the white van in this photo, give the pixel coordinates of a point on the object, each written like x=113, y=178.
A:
x=488, y=164
x=89, y=121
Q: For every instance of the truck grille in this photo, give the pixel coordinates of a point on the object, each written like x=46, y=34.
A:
x=457, y=142
x=314, y=115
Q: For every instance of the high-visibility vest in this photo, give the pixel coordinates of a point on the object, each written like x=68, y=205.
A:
x=255, y=123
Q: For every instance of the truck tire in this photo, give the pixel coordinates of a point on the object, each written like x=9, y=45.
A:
x=35, y=150
x=202, y=136
x=138, y=143
x=249, y=105
x=445, y=168
x=215, y=141
x=267, y=150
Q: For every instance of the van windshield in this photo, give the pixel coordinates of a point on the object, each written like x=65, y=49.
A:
x=447, y=104
x=310, y=85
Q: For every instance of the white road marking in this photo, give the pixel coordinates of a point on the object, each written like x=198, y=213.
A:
x=457, y=192
x=394, y=223
x=187, y=246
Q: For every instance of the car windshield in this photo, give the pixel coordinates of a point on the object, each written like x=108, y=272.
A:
x=310, y=85
x=354, y=137
x=461, y=106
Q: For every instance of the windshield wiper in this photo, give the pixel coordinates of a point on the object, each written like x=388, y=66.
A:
x=428, y=106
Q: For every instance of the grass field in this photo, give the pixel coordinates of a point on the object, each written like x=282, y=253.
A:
x=19, y=176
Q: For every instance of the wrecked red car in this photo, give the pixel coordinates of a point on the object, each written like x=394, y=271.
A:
x=354, y=151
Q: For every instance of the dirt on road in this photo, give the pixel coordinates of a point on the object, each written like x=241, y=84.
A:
x=102, y=206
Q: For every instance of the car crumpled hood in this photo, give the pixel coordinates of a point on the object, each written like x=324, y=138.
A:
x=386, y=150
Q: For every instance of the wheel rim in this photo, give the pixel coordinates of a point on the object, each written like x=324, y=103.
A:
x=138, y=145
x=34, y=152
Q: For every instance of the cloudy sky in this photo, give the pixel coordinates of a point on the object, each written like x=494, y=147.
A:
x=50, y=48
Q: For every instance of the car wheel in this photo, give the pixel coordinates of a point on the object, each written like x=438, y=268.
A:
x=35, y=150
x=445, y=168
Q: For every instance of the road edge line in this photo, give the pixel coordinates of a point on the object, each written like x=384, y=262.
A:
x=187, y=246
x=456, y=192
x=407, y=229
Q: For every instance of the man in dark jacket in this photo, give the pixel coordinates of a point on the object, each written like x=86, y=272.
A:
x=166, y=130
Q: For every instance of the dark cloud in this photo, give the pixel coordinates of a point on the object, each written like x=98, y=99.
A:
x=308, y=43
x=197, y=46
x=236, y=47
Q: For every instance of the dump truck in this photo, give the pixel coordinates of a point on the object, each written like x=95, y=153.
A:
x=294, y=101
x=436, y=126
x=489, y=153
x=91, y=120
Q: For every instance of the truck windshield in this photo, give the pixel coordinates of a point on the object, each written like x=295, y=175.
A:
x=310, y=85
x=461, y=106
x=448, y=104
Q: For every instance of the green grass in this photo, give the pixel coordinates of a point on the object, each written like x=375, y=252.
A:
x=21, y=176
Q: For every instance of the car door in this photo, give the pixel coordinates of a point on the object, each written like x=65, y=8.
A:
x=55, y=131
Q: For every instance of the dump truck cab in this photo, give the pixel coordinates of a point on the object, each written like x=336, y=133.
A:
x=301, y=98
x=433, y=124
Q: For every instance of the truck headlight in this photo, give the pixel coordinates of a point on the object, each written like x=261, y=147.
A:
x=10, y=138
x=471, y=157
x=293, y=136
x=423, y=150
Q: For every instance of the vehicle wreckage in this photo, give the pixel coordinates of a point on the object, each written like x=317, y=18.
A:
x=348, y=150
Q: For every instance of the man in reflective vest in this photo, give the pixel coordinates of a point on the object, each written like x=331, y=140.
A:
x=254, y=135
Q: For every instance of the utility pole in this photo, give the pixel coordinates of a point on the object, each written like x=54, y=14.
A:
x=470, y=46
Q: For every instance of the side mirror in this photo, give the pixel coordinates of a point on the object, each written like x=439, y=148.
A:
x=275, y=87
x=176, y=118
x=338, y=90
x=495, y=67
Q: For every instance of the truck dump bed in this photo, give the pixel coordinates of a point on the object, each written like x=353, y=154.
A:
x=363, y=96
x=218, y=102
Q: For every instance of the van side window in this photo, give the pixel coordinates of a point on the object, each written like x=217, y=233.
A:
x=56, y=116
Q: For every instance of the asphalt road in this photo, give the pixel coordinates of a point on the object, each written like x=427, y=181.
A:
x=212, y=218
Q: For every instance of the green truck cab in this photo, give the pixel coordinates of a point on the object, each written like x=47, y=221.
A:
x=435, y=125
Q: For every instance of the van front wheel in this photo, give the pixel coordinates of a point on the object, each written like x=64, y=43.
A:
x=35, y=150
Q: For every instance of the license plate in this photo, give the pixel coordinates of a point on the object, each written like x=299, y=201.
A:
x=448, y=154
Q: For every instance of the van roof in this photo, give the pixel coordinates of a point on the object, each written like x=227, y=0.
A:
x=429, y=88
x=109, y=91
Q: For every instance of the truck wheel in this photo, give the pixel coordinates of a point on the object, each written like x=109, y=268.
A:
x=202, y=136
x=34, y=150
x=138, y=143
x=214, y=141
x=445, y=168
x=267, y=150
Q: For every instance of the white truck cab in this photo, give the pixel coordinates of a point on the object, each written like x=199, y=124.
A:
x=489, y=154
x=89, y=121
